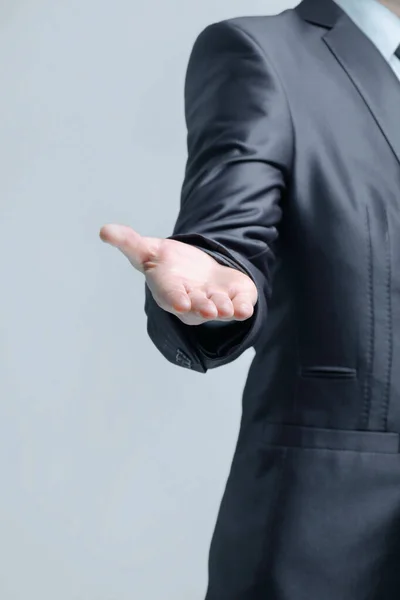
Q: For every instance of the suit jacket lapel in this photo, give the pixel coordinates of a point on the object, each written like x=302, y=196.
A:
x=374, y=79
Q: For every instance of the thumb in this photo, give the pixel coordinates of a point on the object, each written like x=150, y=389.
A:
x=139, y=250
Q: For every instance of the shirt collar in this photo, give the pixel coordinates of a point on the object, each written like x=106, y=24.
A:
x=376, y=21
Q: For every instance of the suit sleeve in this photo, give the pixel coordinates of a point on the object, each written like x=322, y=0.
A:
x=240, y=150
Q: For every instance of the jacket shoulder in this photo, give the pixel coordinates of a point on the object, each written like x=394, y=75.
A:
x=269, y=32
x=260, y=27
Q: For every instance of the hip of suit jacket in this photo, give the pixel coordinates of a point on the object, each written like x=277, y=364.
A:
x=293, y=176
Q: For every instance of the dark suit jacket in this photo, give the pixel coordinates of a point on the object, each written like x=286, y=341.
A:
x=293, y=176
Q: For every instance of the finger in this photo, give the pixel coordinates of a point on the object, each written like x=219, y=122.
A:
x=223, y=304
x=117, y=235
x=174, y=299
x=138, y=249
x=243, y=306
x=202, y=305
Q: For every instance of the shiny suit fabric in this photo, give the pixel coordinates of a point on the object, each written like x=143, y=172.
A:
x=293, y=177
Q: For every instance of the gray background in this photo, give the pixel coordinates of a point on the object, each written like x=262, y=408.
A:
x=112, y=460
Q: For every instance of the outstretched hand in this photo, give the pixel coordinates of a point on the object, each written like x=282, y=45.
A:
x=184, y=280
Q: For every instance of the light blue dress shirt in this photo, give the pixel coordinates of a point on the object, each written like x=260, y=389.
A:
x=379, y=24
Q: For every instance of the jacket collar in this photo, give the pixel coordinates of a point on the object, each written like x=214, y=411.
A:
x=320, y=12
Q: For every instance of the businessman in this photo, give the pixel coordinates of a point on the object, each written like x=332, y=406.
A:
x=288, y=241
